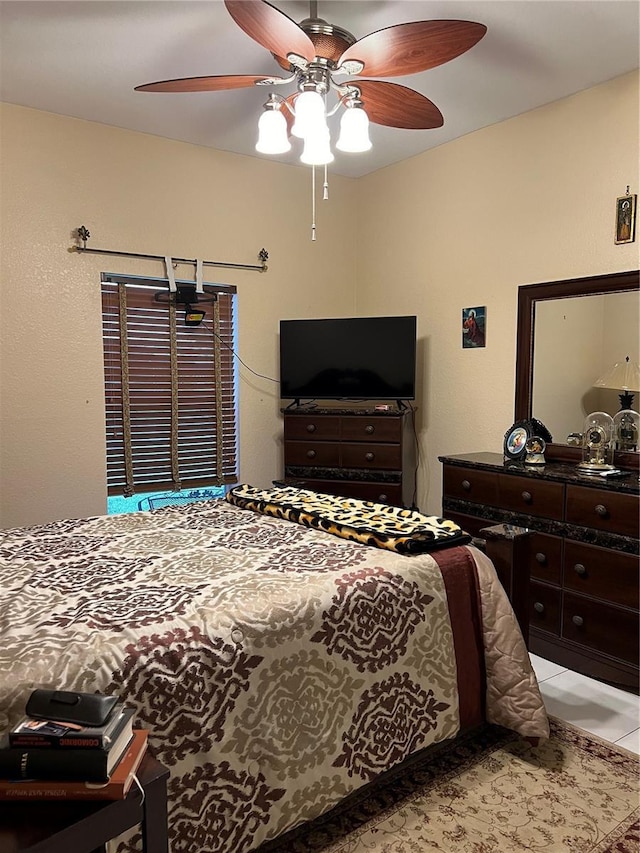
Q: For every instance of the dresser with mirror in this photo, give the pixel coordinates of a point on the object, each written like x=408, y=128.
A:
x=582, y=548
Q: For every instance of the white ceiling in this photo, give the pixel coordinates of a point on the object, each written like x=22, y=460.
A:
x=84, y=58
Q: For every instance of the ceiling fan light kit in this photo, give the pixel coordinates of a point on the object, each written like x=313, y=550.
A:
x=272, y=130
x=317, y=149
x=309, y=114
x=315, y=54
x=354, y=130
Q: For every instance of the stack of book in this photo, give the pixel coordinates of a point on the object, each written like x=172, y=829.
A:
x=49, y=759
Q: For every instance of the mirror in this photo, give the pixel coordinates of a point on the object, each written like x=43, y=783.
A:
x=568, y=332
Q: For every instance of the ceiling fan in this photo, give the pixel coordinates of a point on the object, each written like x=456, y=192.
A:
x=315, y=54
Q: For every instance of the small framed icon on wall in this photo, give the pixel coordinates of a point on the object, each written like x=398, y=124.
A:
x=626, y=218
x=474, y=327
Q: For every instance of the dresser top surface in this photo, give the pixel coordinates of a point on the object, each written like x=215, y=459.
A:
x=309, y=411
x=559, y=471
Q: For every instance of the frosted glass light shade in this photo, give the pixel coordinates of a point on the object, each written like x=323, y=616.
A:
x=317, y=150
x=309, y=114
x=354, y=131
x=272, y=133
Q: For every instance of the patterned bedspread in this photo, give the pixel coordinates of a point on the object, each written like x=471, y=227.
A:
x=277, y=667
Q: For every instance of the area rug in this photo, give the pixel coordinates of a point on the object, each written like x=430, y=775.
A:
x=491, y=792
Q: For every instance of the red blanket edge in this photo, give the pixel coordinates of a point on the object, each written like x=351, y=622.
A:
x=458, y=570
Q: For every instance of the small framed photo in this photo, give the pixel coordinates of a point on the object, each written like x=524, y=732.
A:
x=474, y=321
x=515, y=440
x=626, y=219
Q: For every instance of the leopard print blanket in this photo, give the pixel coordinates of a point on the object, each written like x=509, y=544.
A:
x=404, y=531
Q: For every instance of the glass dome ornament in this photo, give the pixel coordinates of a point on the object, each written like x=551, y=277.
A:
x=597, y=443
x=626, y=429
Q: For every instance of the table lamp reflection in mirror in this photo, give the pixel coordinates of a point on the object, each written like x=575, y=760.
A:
x=624, y=376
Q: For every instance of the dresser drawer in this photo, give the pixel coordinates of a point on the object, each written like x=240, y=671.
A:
x=319, y=453
x=382, y=493
x=603, y=627
x=545, y=558
x=544, y=608
x=470, y=485
x=530, y=496
x=361, y=428
x=604, y=510
x=604, y=574
x=307, y=426
x=384, y=456
x=469, y=523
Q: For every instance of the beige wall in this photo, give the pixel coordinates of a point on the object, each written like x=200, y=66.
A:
x=144, y=194
x=531, y=199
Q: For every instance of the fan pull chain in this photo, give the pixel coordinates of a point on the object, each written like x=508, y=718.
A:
x=313, y=202
x=325, y=186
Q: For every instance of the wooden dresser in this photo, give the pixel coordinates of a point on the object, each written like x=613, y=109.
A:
x=361, y=453
x=582, y=557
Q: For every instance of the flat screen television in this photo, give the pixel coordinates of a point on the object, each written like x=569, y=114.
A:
x=356, y=358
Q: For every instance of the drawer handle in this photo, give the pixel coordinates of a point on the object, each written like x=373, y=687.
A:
x=541, y=558
x=538, y=607
x=311, y=427
x=369, y=456
x=466, y=485
x=601, y=510
x=527, y=497
x=577, y=620
x=383, y=499
x=311, y=454
x=579, y=569
x=369, y=429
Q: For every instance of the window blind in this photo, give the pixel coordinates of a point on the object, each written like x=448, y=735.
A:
x=170, y=390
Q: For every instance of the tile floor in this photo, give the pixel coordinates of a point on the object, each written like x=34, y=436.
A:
x=598, y=708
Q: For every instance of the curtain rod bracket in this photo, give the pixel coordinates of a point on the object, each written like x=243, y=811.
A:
x=83, y=234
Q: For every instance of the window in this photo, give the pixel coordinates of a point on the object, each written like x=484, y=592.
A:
x=170, y=389
x=117, y=504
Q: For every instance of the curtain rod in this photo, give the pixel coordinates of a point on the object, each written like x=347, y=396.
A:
x=83, y=234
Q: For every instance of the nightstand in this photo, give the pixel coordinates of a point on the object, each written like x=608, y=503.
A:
x=65, y=826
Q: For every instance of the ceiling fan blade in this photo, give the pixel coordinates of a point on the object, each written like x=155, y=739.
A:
x=409, y=48
x=398, y=106
x=271, y=28
x=203, y=84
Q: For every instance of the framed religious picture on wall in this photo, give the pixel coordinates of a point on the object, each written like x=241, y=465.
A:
x=474, y=322
x=625, y=218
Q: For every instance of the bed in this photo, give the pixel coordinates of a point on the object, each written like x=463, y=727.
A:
x=277, y=666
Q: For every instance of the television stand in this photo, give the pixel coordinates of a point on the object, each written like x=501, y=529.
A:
x=355, y=452
x=297, y=405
